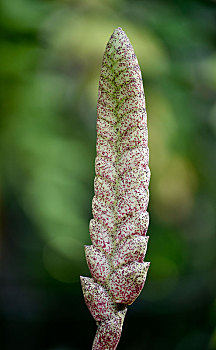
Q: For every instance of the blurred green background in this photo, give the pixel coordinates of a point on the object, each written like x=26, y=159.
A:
x=50, y=59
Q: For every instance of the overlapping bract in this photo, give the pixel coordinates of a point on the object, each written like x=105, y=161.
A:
x=118, y=229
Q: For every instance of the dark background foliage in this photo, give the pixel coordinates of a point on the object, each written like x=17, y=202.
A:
x=51, y=53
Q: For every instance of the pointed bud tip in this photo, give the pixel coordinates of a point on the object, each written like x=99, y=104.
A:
x=118, y=31
x=84, y=280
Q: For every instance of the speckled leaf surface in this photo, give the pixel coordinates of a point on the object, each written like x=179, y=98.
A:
x=120, y=218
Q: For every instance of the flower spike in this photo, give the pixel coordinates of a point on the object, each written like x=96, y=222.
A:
x=120, y=218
